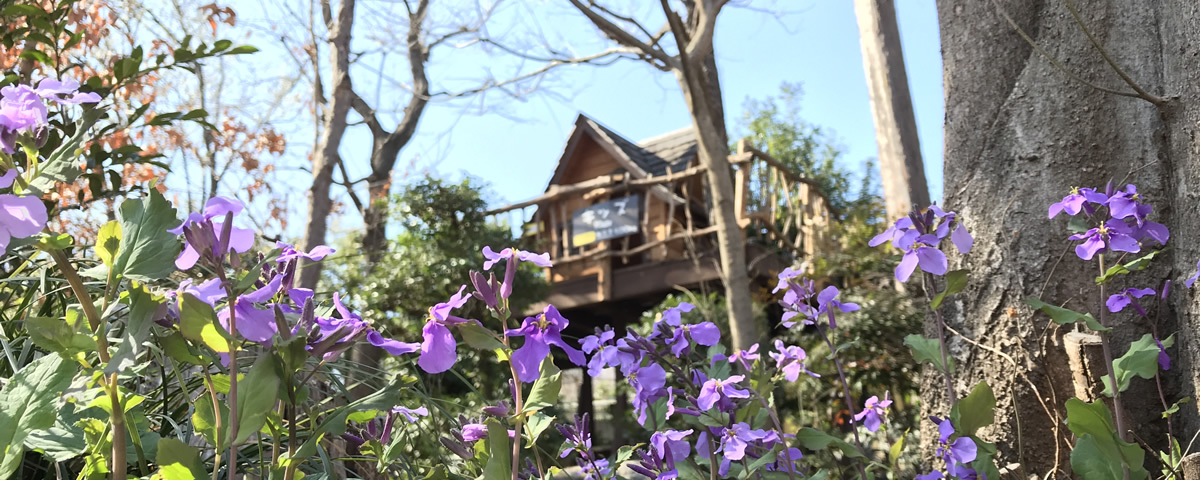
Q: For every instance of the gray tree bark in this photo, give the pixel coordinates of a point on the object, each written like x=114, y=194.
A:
x=901, y=169
x=333, y=127
x=694, y=66
x=1019, y=133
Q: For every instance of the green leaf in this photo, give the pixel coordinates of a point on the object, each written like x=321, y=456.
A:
x=198, y=323
x=896, y=449
x=148, y=250
x=194, y=114
x=20, y=10
x=177, y=461
x=813, y=439
x=1141, y=360
x=1175, y=407
x=204, y=420
x=36, y=56
x=1137, y=264
x=61, y=166
x=956, y=281
x=1064, y=316
x=1078, y=225
x=143, y=308
x=108, y=242
x=59, y=336
x=538, y=423
x=334, y=423
x=256, y=397
x=478, y=337
x=222, y=44
x=547, y=387
x=177, y=349
x=27, y=404
x=928, y=350
x=1099, y=451
x=62, y=441
x=499, y=464
x=241, y=50
x=975, y=411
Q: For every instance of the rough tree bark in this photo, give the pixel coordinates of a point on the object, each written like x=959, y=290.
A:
x=1019, y=133
x=333, y=127
x=901, y=170
x=694, y=67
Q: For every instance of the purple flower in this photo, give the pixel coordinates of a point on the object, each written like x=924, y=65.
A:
x=732, y=443
x=720, y=393
x=790, y=361
x=23, y=109
x=671, y=445
x=606, y=354
x=919, y=250
x=337, y=334
x=1127, y=203
x=1078, y=200
x=594, y=469
x=20, y=216
x=1164, y=360
x=203, y=233
x=827, y=303
x=893, y=233
x=873, y=411
x=541, y=260
x=1112, y=235
x=934, y=475
x=704, y=333
x=289, y=252
x=1192, y=279
x=785, y=278
x=411, y=414
x=745, y=358
x=474, y=432
x=1128, y=297
x=961, y=451
x=540, y=332
x=439, y=351
x=648, y=383
x=51, y=89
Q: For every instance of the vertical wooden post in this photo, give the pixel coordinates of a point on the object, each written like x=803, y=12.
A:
x=741, y=184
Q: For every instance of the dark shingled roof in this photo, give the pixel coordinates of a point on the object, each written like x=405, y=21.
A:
x=674, y=149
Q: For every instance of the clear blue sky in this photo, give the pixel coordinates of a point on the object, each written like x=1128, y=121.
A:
x=816, y=45
x=514, y=144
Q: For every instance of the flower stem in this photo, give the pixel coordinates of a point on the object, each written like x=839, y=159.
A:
x=837, y=362
x=233, y=375
x=1108, y=362
x=100, y=334
x=927, y=286
x=787, y=454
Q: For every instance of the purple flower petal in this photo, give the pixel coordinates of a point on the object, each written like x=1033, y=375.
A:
x=1090, y=247
x=706, y=333
x=394, y=347
x=528, y=359
x=906, y=267
x=439, y=351
x=1118, y=302
x=932, y=260
x=961, y=239
x=1192, y=279
x=7, y=179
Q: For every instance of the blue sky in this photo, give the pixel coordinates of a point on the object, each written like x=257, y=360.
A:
x=513, y=144
x=816, y=45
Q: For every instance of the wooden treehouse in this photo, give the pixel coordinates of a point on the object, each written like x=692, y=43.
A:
x=627, y=223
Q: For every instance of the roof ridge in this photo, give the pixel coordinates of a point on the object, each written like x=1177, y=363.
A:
x=662, y=136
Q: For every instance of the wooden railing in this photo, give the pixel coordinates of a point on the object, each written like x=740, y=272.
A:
x=776, y=208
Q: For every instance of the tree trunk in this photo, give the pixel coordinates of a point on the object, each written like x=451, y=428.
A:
x=1019, y=133
x=900, y=166
x=704, y=101
x=325, y=156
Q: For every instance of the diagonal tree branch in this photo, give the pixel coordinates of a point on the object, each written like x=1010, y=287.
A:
x=619, y=35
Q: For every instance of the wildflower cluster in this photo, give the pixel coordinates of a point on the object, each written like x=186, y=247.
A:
x=24, y=120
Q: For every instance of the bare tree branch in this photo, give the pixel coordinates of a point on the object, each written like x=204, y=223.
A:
x=619, y=35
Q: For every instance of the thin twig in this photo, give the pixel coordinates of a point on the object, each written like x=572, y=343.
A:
x=1054, y=61
x=1141, y=93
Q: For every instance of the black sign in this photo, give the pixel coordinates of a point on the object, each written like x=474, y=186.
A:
x=603, y=221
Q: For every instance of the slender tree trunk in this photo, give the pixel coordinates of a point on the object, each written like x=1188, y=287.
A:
x=325, y=156
x=1019, y=133
x=900, y=165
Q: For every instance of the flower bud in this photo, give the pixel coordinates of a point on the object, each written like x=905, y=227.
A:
x=510, y=273
x=483, y=290
x=1166, y=289
x=500, y=410
x=40, y=135
x=456, y=447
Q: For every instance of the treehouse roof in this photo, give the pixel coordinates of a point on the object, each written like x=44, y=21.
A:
x=651, y=157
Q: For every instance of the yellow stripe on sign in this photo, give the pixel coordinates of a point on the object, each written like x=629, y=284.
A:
x=583, y=239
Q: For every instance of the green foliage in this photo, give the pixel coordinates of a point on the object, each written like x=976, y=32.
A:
x=147, y=250
x=1099, y=452
x=27, y=405
x=956, y=281
x=1135, y=265
x=1140, y=360
x=1063, y=316
x=975, y=411
x=928, y=350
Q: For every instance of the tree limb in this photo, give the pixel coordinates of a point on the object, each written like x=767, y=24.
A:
x=619, y=35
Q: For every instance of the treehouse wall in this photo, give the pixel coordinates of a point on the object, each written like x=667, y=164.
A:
x=589, y=160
